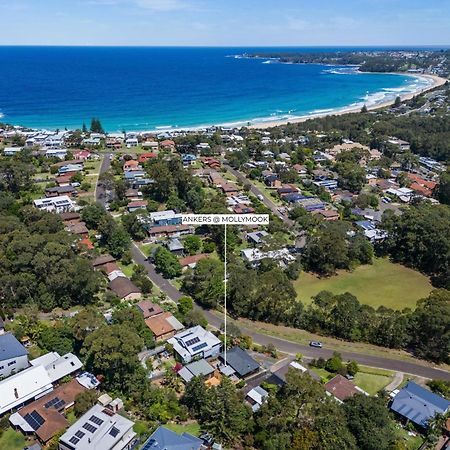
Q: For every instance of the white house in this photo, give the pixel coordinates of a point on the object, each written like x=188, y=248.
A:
x=58, y=205
x=24, y=386
x=11, y=151
x=195, y=343
x=13, y=355
x=256, y=397
x=56, y=153
x=100, y=428
x=57, y=366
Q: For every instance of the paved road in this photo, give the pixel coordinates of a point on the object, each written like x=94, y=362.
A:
x=100, y=192
x=282, y=345
x=258, y=192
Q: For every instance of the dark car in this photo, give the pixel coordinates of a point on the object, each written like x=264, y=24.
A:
x=316, y=344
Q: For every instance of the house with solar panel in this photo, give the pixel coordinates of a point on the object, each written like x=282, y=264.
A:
x=195, y=343
x=44, y=418
x=13, y=355
x=101, y=428
x=418, y=405
x=165, y=439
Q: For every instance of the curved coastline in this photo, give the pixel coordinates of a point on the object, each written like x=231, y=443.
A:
x=434, y=81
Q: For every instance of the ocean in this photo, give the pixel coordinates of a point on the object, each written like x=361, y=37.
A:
x=151, y=88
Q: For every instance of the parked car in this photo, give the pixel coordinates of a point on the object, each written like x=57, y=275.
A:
x=316, y=344
x=260, y=197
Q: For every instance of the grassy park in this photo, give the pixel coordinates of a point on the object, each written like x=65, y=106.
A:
x=382, y=283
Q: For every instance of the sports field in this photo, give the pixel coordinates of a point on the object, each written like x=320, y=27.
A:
x=382, y=283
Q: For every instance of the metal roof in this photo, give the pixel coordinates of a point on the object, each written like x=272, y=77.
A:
x=10, y=347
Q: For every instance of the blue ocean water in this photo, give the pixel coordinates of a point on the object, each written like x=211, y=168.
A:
x=146, y=88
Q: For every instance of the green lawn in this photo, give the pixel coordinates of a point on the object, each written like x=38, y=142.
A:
x=368, y=379
x=371, y=382
x=382, y=283
x=12, y=440
x=191, y=428
x=127, y=270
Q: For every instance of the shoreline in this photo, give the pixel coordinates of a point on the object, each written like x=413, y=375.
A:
x=436, y=82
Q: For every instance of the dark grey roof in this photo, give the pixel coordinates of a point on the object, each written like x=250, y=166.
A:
x=418, y=404
x=165, y=439
x=10, y=347
x=241, y=361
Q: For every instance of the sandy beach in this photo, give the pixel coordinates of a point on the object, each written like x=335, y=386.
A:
x=436, y=82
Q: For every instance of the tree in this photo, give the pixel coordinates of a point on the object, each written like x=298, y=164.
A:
x=84, y=323
x=443, y=188
x=56, y=339
x=195, y=317
x=364, y=109
x=192, y=244
x=431, y=325
x=352, y=368
x=205, y=282
x=131, y=317
x=185, y=304
x=133, y=226
x=96, y=126
x=84, y=401
x=368, y=420
x=141, y=280
x=118, y=242
x=398, y=101
x=93, y=214
x=167, y=263
x=112, y=351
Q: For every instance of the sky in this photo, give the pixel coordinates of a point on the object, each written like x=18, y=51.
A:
x=225, y=22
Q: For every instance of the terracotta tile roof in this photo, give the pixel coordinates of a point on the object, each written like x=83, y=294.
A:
x=159, y=325
x=168, y=229
x=87, y=243
x=341, y=388
x=192, y=259
x=54, y=421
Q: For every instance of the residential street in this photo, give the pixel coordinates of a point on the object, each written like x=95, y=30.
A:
x=282, y=345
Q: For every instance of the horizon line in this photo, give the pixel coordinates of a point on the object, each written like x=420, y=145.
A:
x=388, y=46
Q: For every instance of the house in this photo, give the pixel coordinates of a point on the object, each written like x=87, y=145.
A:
x=401, y=145
x=136, y=205
x=82, y=155
x=100, y=428
x=149, y=309
x=403, y=193
x=130, y=165
x=58, y=205
x=70, y=169
x=163, y=325
x=165, y=439
x=11, y=151
x=254, y=256
x=418, y=405
x=341, y=388
x=144, y=157
x=63, y=180
x=200, y=368
x=272, y=181
x=169, y=231
x=194, y=343
x=57, y=366
x=13, y=355
x=256, y=397
x=152, y=145
x=102, y=260
x=257, y=237
x=328, y=215
x=167, y=144
x=161, y=218
x=60, y=190
x=131, y=142
x=133, y=195
x=241, y=362
x=57, y=153
x=78, y=228
x=191, y=261
x=176, y=247
x=124, y=288
x=45, y=417
x=22, y=387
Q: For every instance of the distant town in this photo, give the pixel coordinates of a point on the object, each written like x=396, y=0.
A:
x=111, y=319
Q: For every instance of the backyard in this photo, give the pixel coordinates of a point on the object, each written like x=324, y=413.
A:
x=382, y=283
x=12, y=440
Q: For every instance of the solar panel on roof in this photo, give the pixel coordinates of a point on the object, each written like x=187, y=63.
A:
x=200, y=346
x=114, y=432
x=34, y=419
x=149, y=444
x=96, y=420
x=51, y=402
x=79, y=434
x=59, y=404
x=89, y=427
x=74, y=440
x=192, y=341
